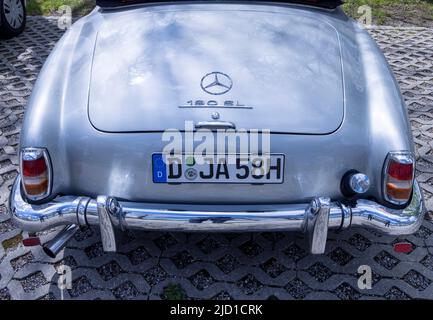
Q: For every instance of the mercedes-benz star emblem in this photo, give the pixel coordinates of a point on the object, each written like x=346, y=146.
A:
x=216, y=83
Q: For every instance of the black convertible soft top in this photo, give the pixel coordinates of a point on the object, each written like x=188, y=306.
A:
x=319, y=3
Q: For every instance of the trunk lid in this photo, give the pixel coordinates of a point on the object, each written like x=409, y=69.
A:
x=153, y=70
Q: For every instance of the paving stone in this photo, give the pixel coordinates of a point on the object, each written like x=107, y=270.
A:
x=68, y=261
x=297, y=288
x=182, y=259
x=359, y=242
x=48, y=296
x=295, y=252
x=273, y=236
x=94, y=250
x=386, y=260
x=109, y=270
x=155, y=275
x=125, y=291
x=396, y=294
x=202, y=280
x=138, y=255
x=33, y=281
x=427, y=262
x=273, y=268
x=208, y=245
x=223, y=295
x=6, y=226
x=80, y=286
x=83, y=234
x=227, y=263
x=249, y=284
x=346, y=292
x=165, y=241
x=340, y=256
x=4, y=294
x=417, y=280
x=320, y=272
x=21, y=261
x=251, y=249
x=424, y=232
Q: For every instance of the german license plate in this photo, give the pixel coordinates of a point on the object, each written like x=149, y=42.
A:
x=233, y=169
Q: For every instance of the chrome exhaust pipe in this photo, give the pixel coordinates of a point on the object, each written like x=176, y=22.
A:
x=54, y=246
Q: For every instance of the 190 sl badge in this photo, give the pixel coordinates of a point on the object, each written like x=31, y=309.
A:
x=215, y=83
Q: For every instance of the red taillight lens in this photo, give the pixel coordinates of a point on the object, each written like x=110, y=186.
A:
x=399, y=175
x=400, y=171
x=33, y=168
x=35, y=173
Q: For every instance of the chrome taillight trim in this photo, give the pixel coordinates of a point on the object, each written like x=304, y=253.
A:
x=47, y=159
x=404, y=157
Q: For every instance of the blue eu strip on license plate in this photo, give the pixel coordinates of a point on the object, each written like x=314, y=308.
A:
x=159, y=168
x=233, y=169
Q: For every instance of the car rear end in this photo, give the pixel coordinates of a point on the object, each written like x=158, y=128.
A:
x=300, y=133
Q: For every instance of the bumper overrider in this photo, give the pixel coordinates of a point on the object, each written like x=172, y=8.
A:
x=314, y=218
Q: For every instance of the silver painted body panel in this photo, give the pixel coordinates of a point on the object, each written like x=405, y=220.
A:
x=88, y=161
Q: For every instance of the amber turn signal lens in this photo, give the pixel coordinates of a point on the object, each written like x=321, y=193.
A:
x=36, y=189
x=398, y=193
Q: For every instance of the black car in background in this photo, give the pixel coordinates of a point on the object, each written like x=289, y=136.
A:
x=12, y=17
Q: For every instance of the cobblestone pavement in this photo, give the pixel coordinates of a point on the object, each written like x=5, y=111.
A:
x=238, y=266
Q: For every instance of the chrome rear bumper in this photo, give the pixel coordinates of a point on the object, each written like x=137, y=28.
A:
x=315, y=218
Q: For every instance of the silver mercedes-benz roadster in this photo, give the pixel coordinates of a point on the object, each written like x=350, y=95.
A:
x=224, y=116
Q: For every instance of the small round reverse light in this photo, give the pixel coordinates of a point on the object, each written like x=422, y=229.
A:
x=359, y=183
x=354, y=182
